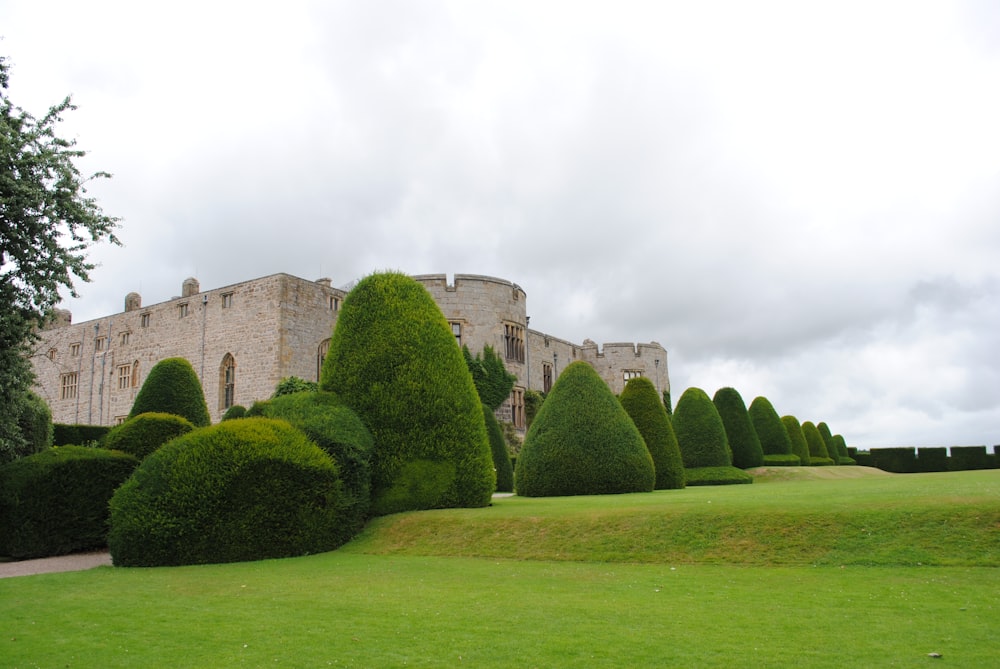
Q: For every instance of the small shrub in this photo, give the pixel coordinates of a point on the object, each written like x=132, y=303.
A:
x=743, y=440
x=717, y=476
x=773, y=435
x=56, y=501
x=799, y=445
x=173, y=387
x=293, y=384
x=241, y=490
x=234, y=412
x=145, y=433
x=582, y=442
x=642, y=403
x=498, y=448
x=77, y=435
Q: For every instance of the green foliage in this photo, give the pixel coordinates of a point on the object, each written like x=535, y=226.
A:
x=143, y=434
x=256, y=410
x=743, y=441
x=700, y=432
x=771, y=431
x=56, y=501
x=642, y=403
x=782, y=460
x=336, y=429
x=843, y=457
x=717, y=476
x=968, y=457
x=34, y=425
x=533, y=400
x=498, y=447
x=294, y=384
x=173, y=387
x=489, y=374
x=817, y=447
x=932, y=459
x=667, y=404
x=241, y=490
x=900, y=460
x=47, y=222
x=799, y=445
x=393, y=360
x=234, y=412
x=831, y=445
x=582, y=442
x=65, y=435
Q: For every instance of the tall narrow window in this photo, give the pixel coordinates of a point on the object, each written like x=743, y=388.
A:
x=135, y=374
x=546, y=377
x=513, y=340
x=99, y=344
x=334, y=303
x=456, y=329
x=68, y=385
x=124, y=338
x=517, y=407
x=227, y=382
x=182, y=310
x=227, y=300
x=144, y=320
x=324, y=346
x=74, y=349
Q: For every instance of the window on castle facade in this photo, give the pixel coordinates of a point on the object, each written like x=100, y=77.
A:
x=67, y=386
x=517, y=407
x=144, y=320
x=51, y=355
x=227, y=300
x=99, y=344
x=513, y=340
x=334, y=303
x=456, y=329
x=124, y=377
x=74, y=350
x=124, y=338
x=631, y=374
x=120, y=419
x=227, y=382
x=182, y=310
x=135, y=374
x=546, y=377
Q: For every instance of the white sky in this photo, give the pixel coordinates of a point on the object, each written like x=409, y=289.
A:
x=797, y=199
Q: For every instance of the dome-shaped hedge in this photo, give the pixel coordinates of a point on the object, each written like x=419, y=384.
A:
x=773, y=436
x=643, y=405
x=817, y=447
x=173, y=387
x=702, y=438
x=799, y=445
x=582, y=442
x=498, y=447
x=241, y=490
x=143, y=434
x=743, y=441
x=394, y=360
x=335, y=428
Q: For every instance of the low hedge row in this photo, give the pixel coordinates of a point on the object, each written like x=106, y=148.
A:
x=77, y=435
x=781, y=460
x=716, y=476
x=56, y=501
x=908, y=460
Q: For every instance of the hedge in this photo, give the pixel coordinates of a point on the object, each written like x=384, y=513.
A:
x=56, y=501
x=817, y=447
x=716, y=476
x=77, y=435
x=582, y=442
x=145, y=433
x=246, y=489
x=173, y=387
x=498, y=449
x=393, y=359
x=799, y=445
x=700, y=432
x=932, y=459
x=773, y=435
x=843, y=457
x=969, y=457
x=643, y=405
x=743, y=440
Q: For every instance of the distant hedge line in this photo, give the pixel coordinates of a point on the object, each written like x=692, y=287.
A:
x=908, y=460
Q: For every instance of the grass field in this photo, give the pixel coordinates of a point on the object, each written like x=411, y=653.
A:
x=876, y=571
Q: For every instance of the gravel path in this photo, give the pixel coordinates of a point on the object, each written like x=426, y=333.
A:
x=74, y=562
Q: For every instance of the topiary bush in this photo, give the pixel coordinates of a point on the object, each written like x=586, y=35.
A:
x=642, y=403
x=56, y=501
x=774, y=439
x=832, y=447
x=498, y=448
x=582, y=442
x=145, y=433
x=294, y=384
x=234, y=412
x=35, y=423
x=743, y=441
x=843, y=456
x=703, y=443
x=241, y=490
x=799, y=446
x=336, y=429
x=394, y=361
x=817, y=448
x=78, y=435
x=173, y=387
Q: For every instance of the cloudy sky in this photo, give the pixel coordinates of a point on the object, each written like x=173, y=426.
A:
x=797, y=199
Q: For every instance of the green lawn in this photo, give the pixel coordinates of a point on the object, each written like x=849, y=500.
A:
x=399, y=596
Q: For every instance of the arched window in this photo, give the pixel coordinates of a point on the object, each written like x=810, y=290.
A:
x=135, y=374
x=324, y=346
x=227, y=382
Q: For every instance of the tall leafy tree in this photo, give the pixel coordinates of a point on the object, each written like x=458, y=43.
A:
x=47, y=222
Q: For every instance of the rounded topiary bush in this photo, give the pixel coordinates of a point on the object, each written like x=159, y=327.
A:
x=773, y=436
x=843, y=456
x=336, y=429
x=234, y=412
x=56, y=501
x=241, y=490
x=817, y=447
x=643, y=405
x=394, y=361
x=702, y=439
x=582, y=442
x=173, y=387
x=743, y=441
x=498, y=448
x=799, y=445
x=143, y=434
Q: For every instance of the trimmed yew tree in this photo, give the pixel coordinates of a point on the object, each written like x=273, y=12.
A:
x=703, y=442
x=817, y=447
x=582, y=442
x=743, y=441
x=844, y=457
x=143, y=434
x=799, y=445
x=773, y=436
x=173, y=387
x=643, y=405
x=498, y=448
x=394, y=361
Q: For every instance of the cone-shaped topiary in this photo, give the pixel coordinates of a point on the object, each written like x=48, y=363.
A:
x=743, y=441
x=145, y=433
x=394, y=361
x=799, y=445
x=173, y=387
x=827, y=436
x=817, y=448
x=844, y=457
x=498, y=447
x=702, y=438
x=582, y=442
x=241, y=490
x=773, y=436
x=643, y=405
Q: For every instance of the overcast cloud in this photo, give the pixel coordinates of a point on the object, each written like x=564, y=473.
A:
x=799, y=200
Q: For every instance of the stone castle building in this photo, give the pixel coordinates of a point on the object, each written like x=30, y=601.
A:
x=244, y=338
